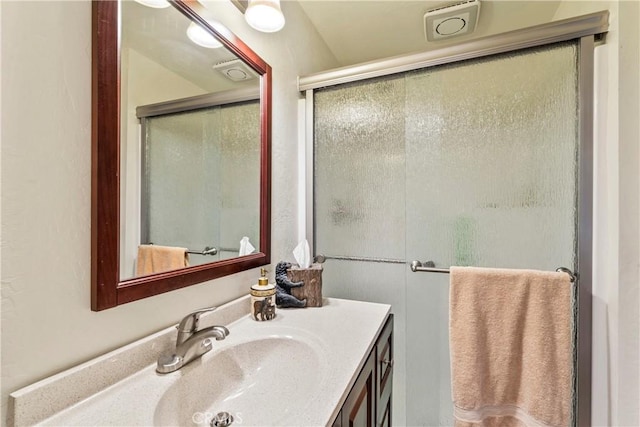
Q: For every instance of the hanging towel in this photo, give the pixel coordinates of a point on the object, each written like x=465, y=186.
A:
x=155, y=259
x=511, y=342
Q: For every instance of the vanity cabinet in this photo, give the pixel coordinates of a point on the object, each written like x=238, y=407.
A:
x=369, y=401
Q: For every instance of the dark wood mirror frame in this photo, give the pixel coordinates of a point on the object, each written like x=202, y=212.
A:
x=107, y=290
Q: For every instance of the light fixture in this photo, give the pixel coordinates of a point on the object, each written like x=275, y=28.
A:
x=202, y=37
x=156, y=4
x=264, y=15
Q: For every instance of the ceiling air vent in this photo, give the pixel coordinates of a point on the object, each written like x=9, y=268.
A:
x=451, y=21
x=235, y=70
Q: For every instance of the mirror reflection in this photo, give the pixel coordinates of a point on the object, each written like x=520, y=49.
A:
x=190, y=145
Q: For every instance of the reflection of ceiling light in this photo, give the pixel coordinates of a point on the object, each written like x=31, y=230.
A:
x=202, y=37
x=158, y=4
x=264, y=15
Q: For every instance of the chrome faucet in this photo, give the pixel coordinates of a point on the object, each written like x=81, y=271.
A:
x=191, y=343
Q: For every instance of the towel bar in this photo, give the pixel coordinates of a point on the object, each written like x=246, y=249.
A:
x=430, y=267
x=364, y=259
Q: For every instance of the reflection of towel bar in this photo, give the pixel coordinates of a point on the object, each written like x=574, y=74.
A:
x=207, y=251
x=430, y=267
x=229, y=250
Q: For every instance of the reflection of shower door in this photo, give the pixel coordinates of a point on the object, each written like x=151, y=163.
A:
x=473, y=163
x=201, y=176
x=181, y=181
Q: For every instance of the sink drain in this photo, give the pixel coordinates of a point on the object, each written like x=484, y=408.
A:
x=222, y=419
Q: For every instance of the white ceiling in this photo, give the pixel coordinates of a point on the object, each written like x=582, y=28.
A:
x=355, y=31
x=363, y=30
x=160, y=35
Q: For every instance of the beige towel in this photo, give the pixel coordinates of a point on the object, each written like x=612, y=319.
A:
x=511, y=344
x=155, y=259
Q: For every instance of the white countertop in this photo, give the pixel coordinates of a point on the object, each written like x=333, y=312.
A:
x=341, y=334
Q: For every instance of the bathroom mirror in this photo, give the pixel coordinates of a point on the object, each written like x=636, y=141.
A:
x=160, y=94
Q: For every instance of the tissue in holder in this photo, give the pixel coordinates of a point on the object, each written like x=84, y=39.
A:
x=302, y=255
x=312, y=278
x=245, y=247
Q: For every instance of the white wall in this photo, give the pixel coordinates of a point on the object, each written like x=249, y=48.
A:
x=628, y=362
x=616, y=321
x=47, y=325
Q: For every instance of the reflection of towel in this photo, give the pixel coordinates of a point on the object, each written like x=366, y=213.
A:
x=511, y=345
x=154, y=259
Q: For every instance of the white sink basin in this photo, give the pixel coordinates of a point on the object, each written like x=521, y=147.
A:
x=253, y=381
x=294, y=370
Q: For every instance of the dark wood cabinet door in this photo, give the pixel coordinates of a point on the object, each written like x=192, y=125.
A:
x=384, y=420
x=384, y=373
x=359, y=409
x=369, y=401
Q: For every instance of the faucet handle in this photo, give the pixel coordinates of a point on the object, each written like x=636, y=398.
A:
x=223, y=330
x=189, y=324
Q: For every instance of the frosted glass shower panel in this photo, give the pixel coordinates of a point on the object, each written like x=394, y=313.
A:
x=359, y=171
x=492, y=160
x=492, y=170
x=201, y=183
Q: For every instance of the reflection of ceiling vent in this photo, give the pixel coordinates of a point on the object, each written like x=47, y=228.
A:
x=451, y=21
x=235, y=70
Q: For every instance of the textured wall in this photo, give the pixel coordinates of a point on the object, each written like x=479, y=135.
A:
x=47, y=325
x=629, y=107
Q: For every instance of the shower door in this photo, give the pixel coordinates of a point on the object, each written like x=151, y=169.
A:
x=472, y=163
x=491, y=181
